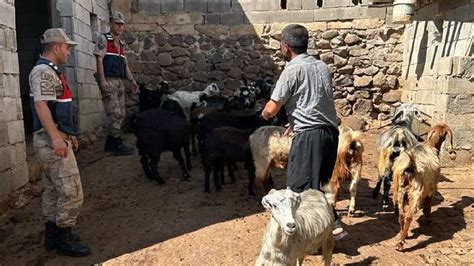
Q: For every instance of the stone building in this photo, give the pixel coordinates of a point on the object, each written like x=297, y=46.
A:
x=438, y=69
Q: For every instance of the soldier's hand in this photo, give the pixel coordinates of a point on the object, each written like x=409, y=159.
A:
x=60, y=147
x=75, y=143
x=103, y=85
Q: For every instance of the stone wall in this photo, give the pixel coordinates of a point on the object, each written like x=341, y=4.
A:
x=438, y=70
x=13, y=166
x=191, y=43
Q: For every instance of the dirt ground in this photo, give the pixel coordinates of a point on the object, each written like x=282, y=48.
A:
x=128, y=219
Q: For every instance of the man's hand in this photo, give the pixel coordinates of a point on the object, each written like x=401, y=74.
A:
x=60, y=147
x=289, y=130
x=75, y=143
x=134, y=87
x=103, y=84
x=264, y=115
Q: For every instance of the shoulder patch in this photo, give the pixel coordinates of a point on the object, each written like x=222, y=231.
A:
x=47, y=84
x=100, y=45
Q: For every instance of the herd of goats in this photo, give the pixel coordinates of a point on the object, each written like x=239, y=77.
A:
x=230, y=130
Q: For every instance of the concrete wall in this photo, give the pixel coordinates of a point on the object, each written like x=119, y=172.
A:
x=13, y=166
x=191, y=43
x=438, y=69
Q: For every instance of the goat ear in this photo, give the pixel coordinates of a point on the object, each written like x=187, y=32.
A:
x=266, y=203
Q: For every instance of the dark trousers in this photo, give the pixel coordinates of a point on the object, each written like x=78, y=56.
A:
x=312, y=159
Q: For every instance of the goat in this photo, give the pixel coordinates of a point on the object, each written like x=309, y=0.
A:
x=159, y=130
x=348, y=163
x=415, y=175
x=270, y=148
x=390, y=144
x=225, y=145
x=437, y=135
x=150, y=99
x=300, y=224
x=187, y=98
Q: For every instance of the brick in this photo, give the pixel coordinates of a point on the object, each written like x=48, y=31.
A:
x=337, y=3
x=212, y=19
x=267, y=5
x=195, y=6
x=169, y=6
x=309, y=4
x=3, y=134
x=355, y=12
x=82, y=29
x=326, y=14
x=11, y=86
x=445, y=66
x=232, y=19
x=16, y=131
x=218, y=6
x=303, y=16
x=294, y=5
x=5, y=185
x=463, y=67
x=376, y=12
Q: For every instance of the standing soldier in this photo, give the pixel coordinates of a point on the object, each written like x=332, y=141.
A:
x=112, y=69
x=54, y=141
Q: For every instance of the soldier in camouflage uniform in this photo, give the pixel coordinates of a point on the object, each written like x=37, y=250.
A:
x=112, y=70
x=54, y=141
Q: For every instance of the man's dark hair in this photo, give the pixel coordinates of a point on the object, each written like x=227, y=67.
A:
x=47, y=47
x=296, y=36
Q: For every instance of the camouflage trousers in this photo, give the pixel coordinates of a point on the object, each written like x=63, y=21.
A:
x=114, y=104
x=62, y=196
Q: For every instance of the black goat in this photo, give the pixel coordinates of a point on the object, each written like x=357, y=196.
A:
x=159, y=130
x=225, y=145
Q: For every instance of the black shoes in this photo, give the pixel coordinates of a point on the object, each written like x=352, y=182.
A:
x=116, y=146
x=64, y=242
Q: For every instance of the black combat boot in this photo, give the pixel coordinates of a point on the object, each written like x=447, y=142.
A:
x=51, y=235
x=109, y=144
x=122, y=149
x=66, y=246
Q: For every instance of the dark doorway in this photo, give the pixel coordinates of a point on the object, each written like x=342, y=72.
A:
x=32, y=19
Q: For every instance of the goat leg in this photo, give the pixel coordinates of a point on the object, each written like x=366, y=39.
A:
x=179, y=157
x=376, y=191
x=231, y=172
x=251, y=174
x=353, y=191
x=187, y=155
x=154, y=170
x=218, y=169
x=193, y=145
x=207, y=173
x=426, y=219
x=386, y=190
x=145, y=161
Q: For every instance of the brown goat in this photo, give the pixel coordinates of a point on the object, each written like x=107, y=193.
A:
x=437, y=135
x=415, y=178
x=348, y=163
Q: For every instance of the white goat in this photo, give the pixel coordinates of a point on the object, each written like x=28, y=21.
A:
x=270, y=148
x=300, y=224
x=187, y=98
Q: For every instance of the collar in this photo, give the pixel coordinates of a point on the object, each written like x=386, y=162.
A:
x=110, y=37
x=297, y=58
x=46, y=61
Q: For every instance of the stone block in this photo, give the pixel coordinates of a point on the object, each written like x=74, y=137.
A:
x=370, y=23
x=303, y=16
x=294, y=5
x=232, y=19
x=282, y=16
x=463, y=67
x=218, y=6
x=362, y=81
x=170, y=6
x=316, y=26
x=355, y=12
x=65, y=8
x=195, y=6
x=6, y=158
x=267, y=5
x=19, y=176
x=309, y=4
x=10, y=62
x=182, y=19
x=5, y=185
x=326, y=14
x=392, y=96
x=11, y=86
x=179, y=29
x=212, y=30
x=339, y=25
x=257, y=17
x=16, y=132
x=337, y=3
x=149, y=6
x=376, y=12
x=242, y=5
x=81, y=13
x=8, y=15
x=362, y=107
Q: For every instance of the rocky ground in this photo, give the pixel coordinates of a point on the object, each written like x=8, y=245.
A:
x=128, y=219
